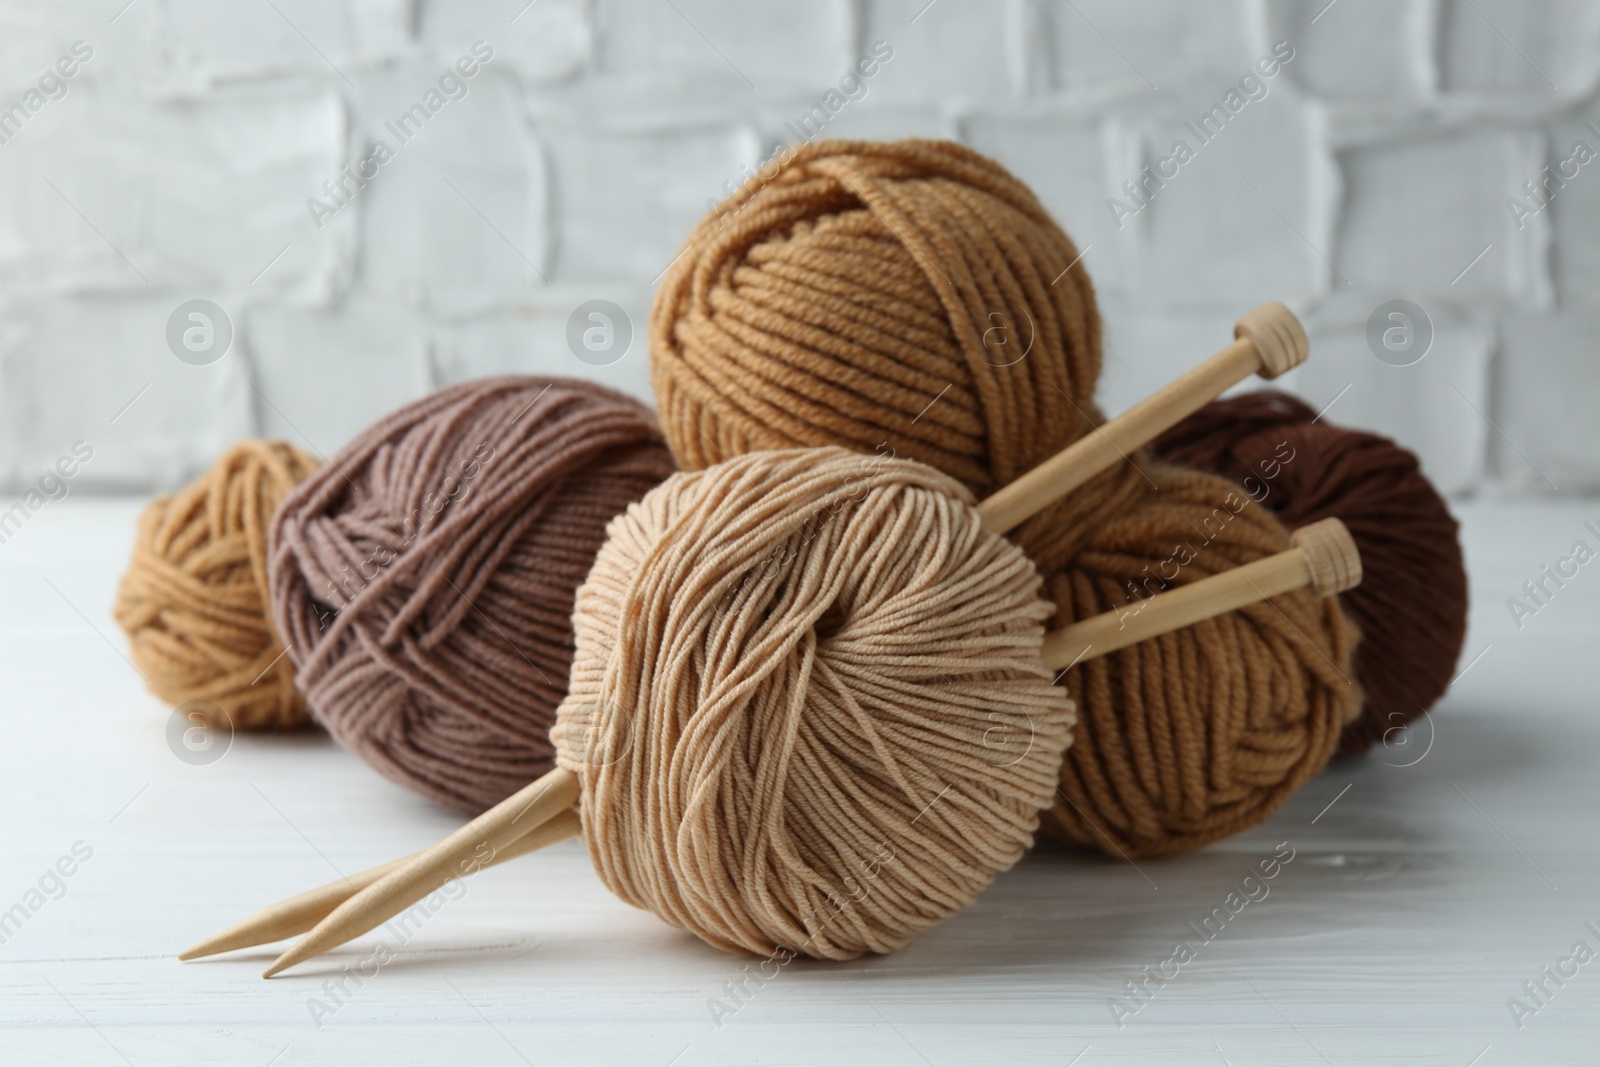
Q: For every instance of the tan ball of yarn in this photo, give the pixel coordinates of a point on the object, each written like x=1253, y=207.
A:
x=1197, y=734
x=785, y=668
x=193, y=600
x=911, y=296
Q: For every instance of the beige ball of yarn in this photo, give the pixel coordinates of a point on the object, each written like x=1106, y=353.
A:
x=787, y=670
x=193, y=601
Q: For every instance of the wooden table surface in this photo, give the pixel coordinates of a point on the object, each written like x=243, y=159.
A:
x=1429, y=882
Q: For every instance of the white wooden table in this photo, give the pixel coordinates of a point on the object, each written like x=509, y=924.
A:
x=1421, y=897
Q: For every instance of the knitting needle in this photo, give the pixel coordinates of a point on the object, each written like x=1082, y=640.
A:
x=417, y=876
x=1323, y=558
x=1269, y=341
x=300, y=913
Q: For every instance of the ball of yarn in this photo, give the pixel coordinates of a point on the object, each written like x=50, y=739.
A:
x=424, y=579
x=785, y=667
x=1412, y=607
x=193, y=600
x=1197, y=734
x=911, y=297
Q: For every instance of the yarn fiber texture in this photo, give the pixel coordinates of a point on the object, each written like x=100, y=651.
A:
x=1412, y=607
x=193, y=599
x=912, y=298
x=425, y=578
x=787, y=667
x=1194, y=735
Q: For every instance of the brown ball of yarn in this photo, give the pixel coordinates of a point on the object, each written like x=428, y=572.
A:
x=1412, y=607
x=912, y=296
x=193, y=600
x=1197, y=734
x=785, y=665
x=425, y=578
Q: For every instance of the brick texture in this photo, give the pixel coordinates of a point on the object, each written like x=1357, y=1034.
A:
x=1444, y=152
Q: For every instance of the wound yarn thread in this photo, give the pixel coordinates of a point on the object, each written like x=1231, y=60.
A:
x=910, y=297
x=1194, y=735
x=1412, y=607
x=193, y=599
x=785, y=669
x=424, y=579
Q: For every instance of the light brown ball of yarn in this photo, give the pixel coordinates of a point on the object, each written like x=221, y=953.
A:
x=1195, y=735
x=913, y=295
x=785, y=668
x=193, y=601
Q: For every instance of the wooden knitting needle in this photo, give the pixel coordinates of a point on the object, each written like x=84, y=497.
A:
x=1323, y=557
x=417, y=876
x=1268, y=341
x=300, y=913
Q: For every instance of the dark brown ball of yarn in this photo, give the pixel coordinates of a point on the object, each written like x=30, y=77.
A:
x=1412, y=605
x=424, y=579
x=1189, y=737
x=911, y=296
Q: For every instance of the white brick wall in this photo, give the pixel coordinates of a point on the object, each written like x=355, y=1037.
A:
x=179, y=161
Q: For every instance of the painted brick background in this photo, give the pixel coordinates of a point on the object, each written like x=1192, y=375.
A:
x=1383, y=161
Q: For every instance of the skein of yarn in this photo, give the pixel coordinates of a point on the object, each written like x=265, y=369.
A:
x=193, y=600
x=1197, y=734
x=779, y=664
x=911, y=296
x=1413, y=610
x=424, y=579
x=855, y=299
